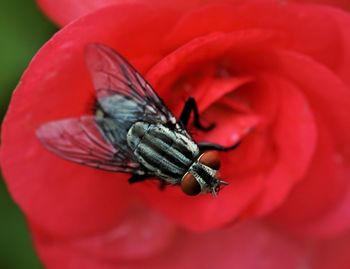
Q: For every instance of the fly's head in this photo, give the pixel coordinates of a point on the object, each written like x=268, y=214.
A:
x=200, y=177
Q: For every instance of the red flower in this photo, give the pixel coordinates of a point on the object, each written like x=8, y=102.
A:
x=276, y=73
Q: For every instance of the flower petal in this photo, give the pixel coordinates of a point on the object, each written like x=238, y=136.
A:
x=248, y=245
x=329, y=100
x=54, y=193
x=65, y=11
x=322, y=28
x=140, y=234
x=292, y=122
x=335, y=3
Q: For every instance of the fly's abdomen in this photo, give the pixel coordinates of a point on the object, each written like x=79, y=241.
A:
x=165, y=153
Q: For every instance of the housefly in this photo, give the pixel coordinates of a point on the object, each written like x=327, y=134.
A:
x=132, y=131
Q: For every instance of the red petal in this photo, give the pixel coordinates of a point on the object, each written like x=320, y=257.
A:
x=317, y=31
x=292, y=140
x=329, y=254
x=335, y=3
x=248, y=246
x=326, y=182
x=58, y=195
x=342, y=20
x=65, y=11
x=334, y=222
x=140, y=234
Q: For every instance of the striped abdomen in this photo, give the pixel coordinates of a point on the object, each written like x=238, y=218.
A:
x=165, y=153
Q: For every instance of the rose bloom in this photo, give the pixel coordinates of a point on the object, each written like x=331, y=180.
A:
x=273, y=74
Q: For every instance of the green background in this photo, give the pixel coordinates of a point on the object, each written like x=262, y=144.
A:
x=23, y=30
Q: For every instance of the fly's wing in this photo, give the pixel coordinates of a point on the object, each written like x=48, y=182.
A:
x=121, y=91
x=80, y=140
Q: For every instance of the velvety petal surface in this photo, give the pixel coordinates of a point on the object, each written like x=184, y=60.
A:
x=140, y=234
x=65, y=11
x=332, y=152
x=54, y=193
x=249, y=245
x=323, y=35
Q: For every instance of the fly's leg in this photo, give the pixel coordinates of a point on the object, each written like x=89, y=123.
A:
x=162, y=185
x=190, y=106
x=205, y=146
x=137, y=178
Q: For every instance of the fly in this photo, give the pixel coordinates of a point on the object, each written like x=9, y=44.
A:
x=132, y=131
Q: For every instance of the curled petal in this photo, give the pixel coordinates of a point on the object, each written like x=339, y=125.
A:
x=329, y=100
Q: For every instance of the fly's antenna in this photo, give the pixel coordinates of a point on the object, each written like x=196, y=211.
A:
x=217, y=187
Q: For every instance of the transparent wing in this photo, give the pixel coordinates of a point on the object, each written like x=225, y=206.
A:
x=114, y=78
x=80, y=140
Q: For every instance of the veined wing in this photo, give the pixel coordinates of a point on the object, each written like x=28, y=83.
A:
x=80, y=140
x=116, y=81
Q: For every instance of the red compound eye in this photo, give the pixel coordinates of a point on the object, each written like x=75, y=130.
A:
x=210, y=159
x=190, y=185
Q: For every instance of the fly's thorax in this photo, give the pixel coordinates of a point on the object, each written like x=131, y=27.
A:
x=136, y=133
x=201, y=175
x=164, y=152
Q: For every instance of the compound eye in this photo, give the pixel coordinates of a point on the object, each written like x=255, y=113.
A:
x=210, y=159
x=190, y=185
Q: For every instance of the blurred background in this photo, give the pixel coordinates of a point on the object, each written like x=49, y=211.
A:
x=23, y=30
